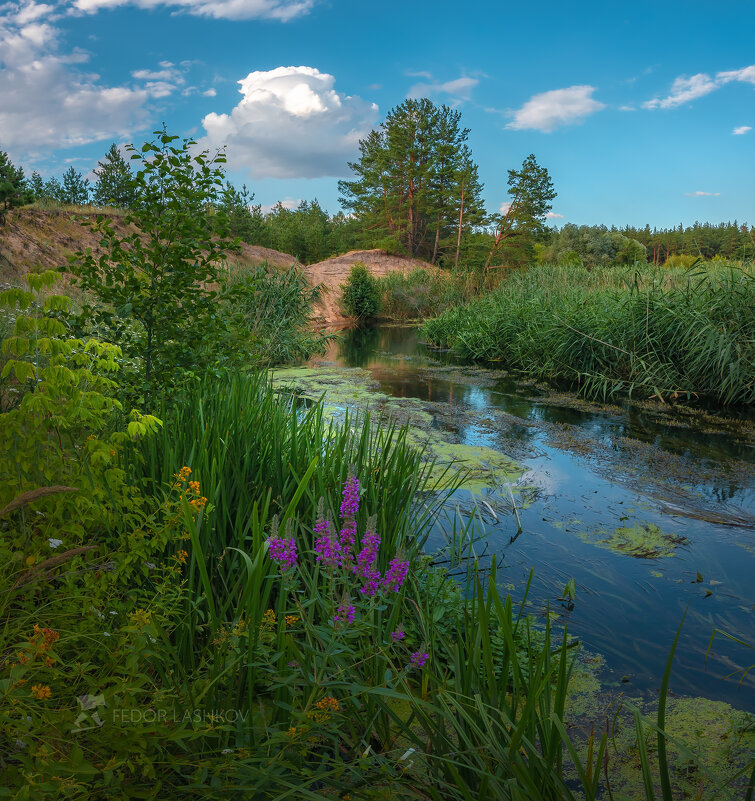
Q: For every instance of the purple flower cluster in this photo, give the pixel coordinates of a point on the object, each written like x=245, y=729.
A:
x=350, y=503
x=398, y=570
x=282, y=551
x=344, y=614
x=368, y=555
x=398, y=635
x=327, y=550
x=419, y=658
x=348, y=539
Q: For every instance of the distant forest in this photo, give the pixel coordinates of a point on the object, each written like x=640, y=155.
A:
x=415, y=190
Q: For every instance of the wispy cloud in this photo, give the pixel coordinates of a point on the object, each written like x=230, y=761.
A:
x=281, y=10
x=459, y=88
x=685, y=89
x=700, y=193
x=742, y=129
x=550, y=110
x=553, y=216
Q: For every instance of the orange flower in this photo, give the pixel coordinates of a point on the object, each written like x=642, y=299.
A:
x=194, y=487
x=41, y=691
x=323, y=709
x=198, y=503
x=291, y=620
x=181, y=557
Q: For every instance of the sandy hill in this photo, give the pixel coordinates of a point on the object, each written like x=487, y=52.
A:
x=334, y=271
x=32, y=238
x=39, y=237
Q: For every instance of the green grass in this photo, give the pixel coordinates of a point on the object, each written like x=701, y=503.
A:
x=616, y=331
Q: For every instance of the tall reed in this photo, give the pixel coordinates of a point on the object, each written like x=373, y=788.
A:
x=637, y=332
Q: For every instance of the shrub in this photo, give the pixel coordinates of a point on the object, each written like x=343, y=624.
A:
x=361, y=293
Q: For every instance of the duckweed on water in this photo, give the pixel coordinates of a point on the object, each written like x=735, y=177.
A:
x=641, y=540
x=713, y=733
x=353, y=388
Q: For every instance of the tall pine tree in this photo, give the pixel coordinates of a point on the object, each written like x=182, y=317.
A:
x=75, y=188
x=115, y=183
x=13, y=189
x=410, y=178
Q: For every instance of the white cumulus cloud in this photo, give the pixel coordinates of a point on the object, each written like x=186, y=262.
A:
x=742, y=129
x=550, y=110
x=290, y=123
x=282, y=10
x=553, y=216
x=46, y=98
x=685, y=89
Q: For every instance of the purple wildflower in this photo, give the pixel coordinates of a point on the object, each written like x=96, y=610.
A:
x=344, y=614
x=419, y=658
x=398, y=635
x=367, y=556
x=348, y=538
x=326, y=550
x=282, y=551
x=397, y=572
x=350, y=504
x=372, y=585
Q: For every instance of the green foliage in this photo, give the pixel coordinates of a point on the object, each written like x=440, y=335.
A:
x=267, y=315
x=57, y=434
x=114, y=186
x=416, y=182
x=593, y=246
x=13, y=186
x=616, y=332
x=75, y=189
x=360, y=293
x=151, y=282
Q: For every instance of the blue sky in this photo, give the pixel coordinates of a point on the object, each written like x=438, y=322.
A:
x=642, y=112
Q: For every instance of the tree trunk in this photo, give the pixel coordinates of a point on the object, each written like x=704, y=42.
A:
x=437, y=239
x=458, y=235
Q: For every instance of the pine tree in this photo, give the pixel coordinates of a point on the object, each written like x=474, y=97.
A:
x=115, y=183
x=75, y=188
x=407, y=187
x=37, y=186
x=531, y=190
x=53, y=190
x=13, y=189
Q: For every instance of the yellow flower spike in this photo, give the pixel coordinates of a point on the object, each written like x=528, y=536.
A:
x=41, y=691
x=140, y=618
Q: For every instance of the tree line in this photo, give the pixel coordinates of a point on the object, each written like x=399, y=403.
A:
x=415, y=190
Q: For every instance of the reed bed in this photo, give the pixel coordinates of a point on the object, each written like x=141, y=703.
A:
x=634, y=331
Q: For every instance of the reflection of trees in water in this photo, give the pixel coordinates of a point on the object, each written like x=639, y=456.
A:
x=358, y=345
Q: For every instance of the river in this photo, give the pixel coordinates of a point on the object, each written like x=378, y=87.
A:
x=650, y=511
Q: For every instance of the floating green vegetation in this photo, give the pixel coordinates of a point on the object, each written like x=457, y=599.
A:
x=353, y=388
x=641, y=540
x=583, y=698
x=700, y=731
x=484, y=467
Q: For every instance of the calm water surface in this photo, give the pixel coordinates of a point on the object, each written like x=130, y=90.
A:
x=637, y=470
